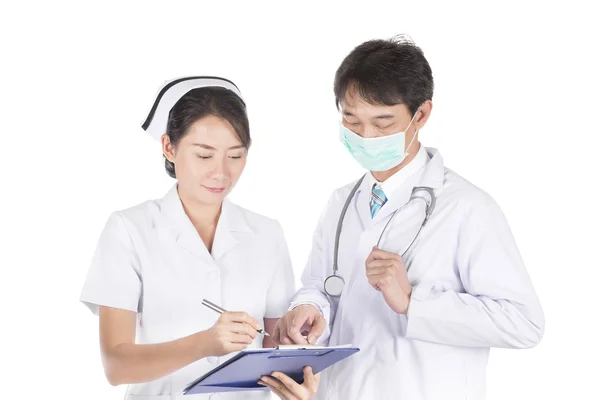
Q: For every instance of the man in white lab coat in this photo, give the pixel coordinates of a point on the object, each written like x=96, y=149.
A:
x=423, y=315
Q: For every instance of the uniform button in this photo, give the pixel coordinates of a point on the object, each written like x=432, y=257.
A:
x=213, y=360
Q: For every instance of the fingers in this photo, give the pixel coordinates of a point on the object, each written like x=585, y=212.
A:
x=278, y=388
x=378, y=254
x=236, y=347
x=317, y=329
x=295, y=338
x=277, y=332
x=382, y=263
x=287, y=340
x=280, y=334
x=382, y=273
x=240, y=322
x=241, y=332
x=388, y=270
x=241, y=339
x=291, y=385
x=307, y=373
x=290, y=328
x=311, y=382
x=241, y=317
x=371, y=256
x=381, y=280
x=242, y=329
x=298, y=319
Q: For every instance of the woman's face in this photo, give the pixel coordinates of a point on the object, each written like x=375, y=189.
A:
x=208, y=160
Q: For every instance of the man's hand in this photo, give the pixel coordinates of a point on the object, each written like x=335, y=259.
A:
x=304, y=318
x=386, y=273
x=287, y=389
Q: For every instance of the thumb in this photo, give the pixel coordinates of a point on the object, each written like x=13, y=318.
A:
x=308, y=374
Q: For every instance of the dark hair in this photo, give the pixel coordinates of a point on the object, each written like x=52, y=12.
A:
x=386, y=72
x=202, y=102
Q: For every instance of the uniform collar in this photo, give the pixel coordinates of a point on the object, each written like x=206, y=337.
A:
x=232, y=218
x=231, y=227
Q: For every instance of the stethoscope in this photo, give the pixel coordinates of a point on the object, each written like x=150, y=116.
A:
x=334, y=284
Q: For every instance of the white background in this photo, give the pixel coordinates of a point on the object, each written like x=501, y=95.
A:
x=515, y=112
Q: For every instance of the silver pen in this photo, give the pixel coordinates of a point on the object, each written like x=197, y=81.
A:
x=220, y=310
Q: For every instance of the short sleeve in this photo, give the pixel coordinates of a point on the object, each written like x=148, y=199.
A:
x=282, y=286
x=113, y=279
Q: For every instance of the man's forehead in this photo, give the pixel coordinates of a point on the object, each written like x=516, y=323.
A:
x=355, y=104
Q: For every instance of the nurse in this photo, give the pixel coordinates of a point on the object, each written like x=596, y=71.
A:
x=156, y=261
x=424, y=316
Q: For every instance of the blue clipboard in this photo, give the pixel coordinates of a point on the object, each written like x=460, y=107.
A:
x=243, y=371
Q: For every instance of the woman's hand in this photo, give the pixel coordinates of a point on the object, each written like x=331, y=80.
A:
x=233, y=331
x=287, y=389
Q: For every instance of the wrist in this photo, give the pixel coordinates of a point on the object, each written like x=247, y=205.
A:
x=397, y=298
x=317, y=307
x=201, y=348
x=407, y=301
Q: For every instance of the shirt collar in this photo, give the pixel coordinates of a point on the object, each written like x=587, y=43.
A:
x=395, y=181
x=231, y=219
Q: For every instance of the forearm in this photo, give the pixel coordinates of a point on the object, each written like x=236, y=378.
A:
x=461, y=319
x=128, y=363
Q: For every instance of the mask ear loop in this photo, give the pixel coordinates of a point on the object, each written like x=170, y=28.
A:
x=406, y=154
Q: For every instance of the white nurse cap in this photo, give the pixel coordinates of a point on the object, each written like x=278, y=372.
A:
x=156, y=122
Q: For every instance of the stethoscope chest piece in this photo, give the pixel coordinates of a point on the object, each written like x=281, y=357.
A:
x=334, y=285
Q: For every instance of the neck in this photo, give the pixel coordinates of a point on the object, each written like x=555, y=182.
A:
x=202, y=215
x=382, y=176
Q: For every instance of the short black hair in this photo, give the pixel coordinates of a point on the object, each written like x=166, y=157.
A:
x=386, y=72
x=203, y=102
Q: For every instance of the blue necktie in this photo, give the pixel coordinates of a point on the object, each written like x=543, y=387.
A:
x=378, y=199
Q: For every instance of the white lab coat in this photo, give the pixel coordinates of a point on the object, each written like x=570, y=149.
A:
x=471, y=292
x=151, y=260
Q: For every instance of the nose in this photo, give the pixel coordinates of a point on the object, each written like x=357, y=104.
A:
x=368, y=131
x=220, y=172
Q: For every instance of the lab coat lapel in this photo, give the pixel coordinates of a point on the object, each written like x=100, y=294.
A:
x=232, y=229
x=175, y=220
x=363, y=207
x=434, y=172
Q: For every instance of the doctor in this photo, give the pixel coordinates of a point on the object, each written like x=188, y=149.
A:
x=155, y=262
x=427, y=276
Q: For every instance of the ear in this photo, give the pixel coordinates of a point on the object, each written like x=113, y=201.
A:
x=423, y=114
x=167, y=148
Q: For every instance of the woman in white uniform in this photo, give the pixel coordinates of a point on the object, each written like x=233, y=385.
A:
x=157, y=261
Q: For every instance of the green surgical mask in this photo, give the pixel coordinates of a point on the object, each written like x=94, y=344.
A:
x=377, y=154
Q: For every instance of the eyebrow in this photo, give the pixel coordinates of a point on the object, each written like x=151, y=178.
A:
x=384, y=116
x=380, y=116
x=207, y=147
